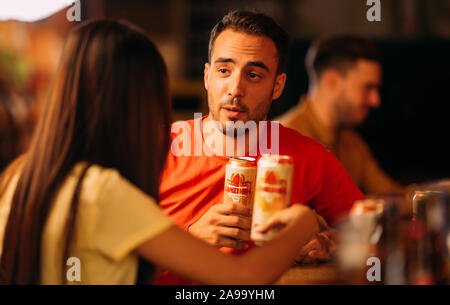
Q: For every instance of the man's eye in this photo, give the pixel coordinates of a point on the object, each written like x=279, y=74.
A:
x=253, y=75
x=223, y=71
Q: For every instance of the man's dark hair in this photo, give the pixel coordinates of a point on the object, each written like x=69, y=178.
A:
x=338, y=52
x=253, y=23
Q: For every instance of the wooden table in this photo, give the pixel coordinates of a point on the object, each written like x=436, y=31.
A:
x=311, y=274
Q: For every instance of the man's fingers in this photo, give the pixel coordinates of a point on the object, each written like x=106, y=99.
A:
x=231, y=243
x=318, y=255
x=234, y=209
x=307, y=260
x=324, y=241
x=311, y=245
x=317, y=249
x=312, y=257
x=241, y=222
x=234, y=233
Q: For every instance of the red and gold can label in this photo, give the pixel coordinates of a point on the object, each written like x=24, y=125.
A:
x=272, y=191
x=240, y=177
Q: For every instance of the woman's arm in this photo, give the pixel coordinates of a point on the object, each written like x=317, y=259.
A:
x=189, y=257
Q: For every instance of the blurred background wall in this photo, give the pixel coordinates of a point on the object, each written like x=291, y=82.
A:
x=408, y=133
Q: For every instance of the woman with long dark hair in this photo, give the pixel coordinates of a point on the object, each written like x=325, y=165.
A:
x=88, y=186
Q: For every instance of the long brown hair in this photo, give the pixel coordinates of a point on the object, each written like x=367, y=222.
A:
x=109, y=106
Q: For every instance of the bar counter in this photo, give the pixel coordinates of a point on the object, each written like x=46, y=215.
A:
x=311, y=274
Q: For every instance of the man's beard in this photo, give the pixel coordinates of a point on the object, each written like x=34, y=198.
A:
x=259, y=114
x=343, y=112
x=234, y=127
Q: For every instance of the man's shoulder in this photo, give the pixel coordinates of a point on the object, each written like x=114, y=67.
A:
x=189, y=122
x=296, y=136
x=289, y=116
x=351, y=138
x=293, y=140
x=350, y=133
x=181, y=123
x=297, y=118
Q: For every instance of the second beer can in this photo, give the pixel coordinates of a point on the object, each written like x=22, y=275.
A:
x=272, y=192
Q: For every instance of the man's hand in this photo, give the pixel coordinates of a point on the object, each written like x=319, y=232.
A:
x=224, y=225
x=320, y=248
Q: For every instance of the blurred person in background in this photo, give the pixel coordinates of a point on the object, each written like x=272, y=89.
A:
x=88, y=185
x=29, y=53
x=38, y=46
x=344, y=80
x=16, y=120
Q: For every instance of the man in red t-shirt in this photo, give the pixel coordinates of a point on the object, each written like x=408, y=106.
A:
x=244, y=74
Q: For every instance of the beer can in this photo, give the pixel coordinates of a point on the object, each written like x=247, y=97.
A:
x=272, y=192
x=365, y=216
x=240, y=177
x=419, y=200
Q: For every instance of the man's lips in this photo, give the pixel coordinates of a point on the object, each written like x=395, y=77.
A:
x=232, y=111
x=232, y=108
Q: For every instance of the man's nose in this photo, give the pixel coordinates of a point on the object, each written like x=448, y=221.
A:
x=374, y=99
x=236, y=88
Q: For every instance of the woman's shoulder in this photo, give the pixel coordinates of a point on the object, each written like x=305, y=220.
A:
x=101, y=183
x=94, y=172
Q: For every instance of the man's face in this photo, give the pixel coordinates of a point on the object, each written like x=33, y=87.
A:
x=241, y=78
x=358, y=92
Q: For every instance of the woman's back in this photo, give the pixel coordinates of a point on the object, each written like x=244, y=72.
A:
x=113, y=217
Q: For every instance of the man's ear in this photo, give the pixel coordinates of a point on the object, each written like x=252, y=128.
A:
x=331, y=79
x=206, y=75
x=280, y=81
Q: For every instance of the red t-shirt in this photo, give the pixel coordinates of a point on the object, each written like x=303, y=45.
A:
x=190, y=185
